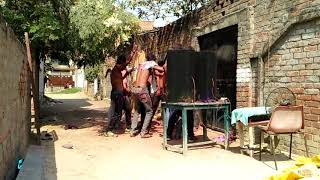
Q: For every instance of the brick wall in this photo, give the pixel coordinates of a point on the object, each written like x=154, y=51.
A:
x=14, y=102
x=295, y=63
x=263, y=26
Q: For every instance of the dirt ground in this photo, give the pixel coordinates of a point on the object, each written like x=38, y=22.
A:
x=100, y=158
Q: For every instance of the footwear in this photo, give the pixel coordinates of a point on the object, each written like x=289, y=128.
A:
x=127, y=130
x=191, y=139
x=133, y=133
x=145, y=135
x=109, y=134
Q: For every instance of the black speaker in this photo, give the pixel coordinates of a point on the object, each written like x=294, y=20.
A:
x=191, y=75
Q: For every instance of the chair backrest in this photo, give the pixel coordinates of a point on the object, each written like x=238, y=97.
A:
x=286, y=119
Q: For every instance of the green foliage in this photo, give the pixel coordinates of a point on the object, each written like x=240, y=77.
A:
x=101, y=26
x=44, y=21
x=92, y=72
x=69, y=91
x=85, y=31
x=47, y=67
x=162, y=8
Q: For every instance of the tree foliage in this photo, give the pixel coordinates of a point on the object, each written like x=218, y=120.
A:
x=92, y=72
x=102, y=26
x=85, y=31
x=163, y=8
x=44, y=21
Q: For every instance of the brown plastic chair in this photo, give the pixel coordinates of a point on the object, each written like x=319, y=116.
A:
x=284, y=120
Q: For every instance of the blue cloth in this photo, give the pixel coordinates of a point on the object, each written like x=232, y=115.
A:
x=243, y=114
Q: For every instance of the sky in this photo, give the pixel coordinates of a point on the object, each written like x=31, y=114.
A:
x=160, y=22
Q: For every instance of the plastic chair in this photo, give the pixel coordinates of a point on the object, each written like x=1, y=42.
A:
x=284, y=120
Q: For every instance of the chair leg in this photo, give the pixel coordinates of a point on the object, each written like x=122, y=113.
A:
x=290, y=146
x=272, y=150
x=305, y=144
x=261, y=133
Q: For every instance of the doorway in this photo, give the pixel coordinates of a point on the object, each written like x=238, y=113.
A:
x=223, y=43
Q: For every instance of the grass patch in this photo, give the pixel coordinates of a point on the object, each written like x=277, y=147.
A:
x=69, y=91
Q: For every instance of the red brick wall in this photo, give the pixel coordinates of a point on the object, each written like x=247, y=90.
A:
x=262, y=26
x=15, y=102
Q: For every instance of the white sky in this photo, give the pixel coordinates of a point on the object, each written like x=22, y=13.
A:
x=160, y=22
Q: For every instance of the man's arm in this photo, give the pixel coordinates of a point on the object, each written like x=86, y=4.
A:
x=128, y=72
x=158, y=68
x=157, y=73
x=132, y=53
x=108, y=71
x=125, y=85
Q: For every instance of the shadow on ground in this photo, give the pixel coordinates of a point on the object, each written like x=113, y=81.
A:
x=80, y=113
x=73, y=114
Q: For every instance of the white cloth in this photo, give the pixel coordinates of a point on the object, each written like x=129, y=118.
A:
x=148, y=64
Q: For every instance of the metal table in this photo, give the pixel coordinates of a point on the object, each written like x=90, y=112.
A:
x=193, y=106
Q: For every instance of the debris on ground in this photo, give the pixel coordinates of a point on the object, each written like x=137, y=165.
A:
x=46, y=136
x=88, y=118
x=68, y=146
x=69, y=126
x=86, y=125
x=49, y=101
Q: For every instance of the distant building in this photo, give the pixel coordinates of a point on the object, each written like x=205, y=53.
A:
x=65, y=75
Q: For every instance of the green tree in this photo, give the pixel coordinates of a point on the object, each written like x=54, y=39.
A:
x=46, y=23
x=85, y=31
x=163, y=8
x=102, y=26
x=92, y=72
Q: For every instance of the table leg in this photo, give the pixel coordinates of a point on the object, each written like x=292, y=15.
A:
x=165, y=126
x=241, y=134
x=262, y=138
x=184, y=132
x=251, y=139
x=226, y=128
x=204, y=127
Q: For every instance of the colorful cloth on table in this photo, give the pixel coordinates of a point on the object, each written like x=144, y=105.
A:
x=243, y=114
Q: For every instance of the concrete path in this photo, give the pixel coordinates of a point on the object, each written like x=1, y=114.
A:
x=95, y=157
x=33, y=164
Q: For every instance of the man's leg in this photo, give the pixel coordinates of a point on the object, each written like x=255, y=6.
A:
x=127, y=108
x=172, y=121
x=190, y=125
x=114, y=112
x=119, y=103
x=110, y=113
x=155, y=104
x=134, y=125
x=142, y=111
x=144, y=97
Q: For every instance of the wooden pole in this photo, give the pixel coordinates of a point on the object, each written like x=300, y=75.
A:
x=34, y=87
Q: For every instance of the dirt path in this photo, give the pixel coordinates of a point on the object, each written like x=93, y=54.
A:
x=95, y=157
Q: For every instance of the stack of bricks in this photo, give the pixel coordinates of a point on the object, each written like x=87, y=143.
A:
x=15, y=107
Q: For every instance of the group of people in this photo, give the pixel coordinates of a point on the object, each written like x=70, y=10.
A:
x=143, y=97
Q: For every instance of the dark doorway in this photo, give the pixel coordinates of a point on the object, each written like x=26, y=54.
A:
x=224, y=44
